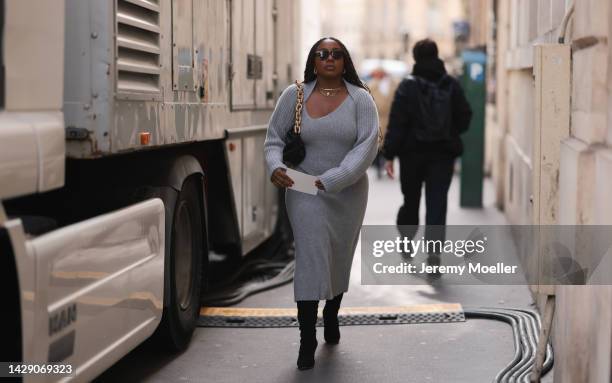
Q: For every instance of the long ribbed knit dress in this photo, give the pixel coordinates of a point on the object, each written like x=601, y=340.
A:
x=340, y=147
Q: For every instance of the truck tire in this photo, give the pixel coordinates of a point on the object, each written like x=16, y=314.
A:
x=187, y=250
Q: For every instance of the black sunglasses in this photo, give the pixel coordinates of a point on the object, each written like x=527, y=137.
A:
x=323, y=54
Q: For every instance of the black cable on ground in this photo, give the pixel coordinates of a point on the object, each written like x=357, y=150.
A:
x=233, y=295
x=273, y=266
x=525, y=327
x=536, y=325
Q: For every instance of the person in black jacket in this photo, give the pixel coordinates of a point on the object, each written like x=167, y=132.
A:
x=426, y=139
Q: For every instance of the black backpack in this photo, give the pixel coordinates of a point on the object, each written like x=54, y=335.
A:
x=434, y=109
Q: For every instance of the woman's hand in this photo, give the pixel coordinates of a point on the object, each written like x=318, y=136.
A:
x=319, y=184
x=281, y=179
x=389, y=168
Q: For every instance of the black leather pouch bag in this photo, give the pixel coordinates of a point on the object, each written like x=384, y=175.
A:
x=294, y=151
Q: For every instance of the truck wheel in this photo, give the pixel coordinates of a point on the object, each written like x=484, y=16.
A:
x=187, y=250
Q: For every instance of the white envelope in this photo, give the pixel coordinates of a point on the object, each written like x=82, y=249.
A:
x=302, y=182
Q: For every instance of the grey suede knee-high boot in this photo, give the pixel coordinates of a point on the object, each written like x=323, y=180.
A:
x=307, y=318
x=330, y=320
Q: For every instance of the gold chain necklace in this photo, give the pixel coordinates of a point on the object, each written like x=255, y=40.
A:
x=330, y=92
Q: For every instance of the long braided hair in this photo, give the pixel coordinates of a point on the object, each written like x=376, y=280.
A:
x=350, y=74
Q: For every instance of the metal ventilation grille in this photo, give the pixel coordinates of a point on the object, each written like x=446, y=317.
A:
x=138, y=47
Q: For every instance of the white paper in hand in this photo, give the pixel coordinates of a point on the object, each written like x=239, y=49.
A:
x=302, y=182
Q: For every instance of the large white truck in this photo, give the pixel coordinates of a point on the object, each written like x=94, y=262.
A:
x=131, y=135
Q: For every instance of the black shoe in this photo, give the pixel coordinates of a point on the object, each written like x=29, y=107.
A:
x=434, y=260
x=330, y=320
x=306, y=355
x=307, y=318
x=407, y=256
x=332, y=332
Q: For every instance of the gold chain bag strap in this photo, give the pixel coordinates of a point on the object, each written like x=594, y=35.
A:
x=294, y=151
x=299, y=104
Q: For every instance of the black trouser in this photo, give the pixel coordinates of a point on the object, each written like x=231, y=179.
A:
x=436, y=171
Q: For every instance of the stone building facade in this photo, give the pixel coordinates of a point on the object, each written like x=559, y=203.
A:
x=393, y=26
x=579, y=172
x=344, y=19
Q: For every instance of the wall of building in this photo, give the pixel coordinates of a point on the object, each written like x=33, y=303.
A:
x=582, y=334
x=496, y=124
x=344, y=19
x=309, y=29
x=478, y=15
x=393, y=26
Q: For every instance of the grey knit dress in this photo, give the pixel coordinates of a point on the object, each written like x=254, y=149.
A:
x=340, y=147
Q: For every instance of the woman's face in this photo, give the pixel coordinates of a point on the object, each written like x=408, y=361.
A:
x=329, y=59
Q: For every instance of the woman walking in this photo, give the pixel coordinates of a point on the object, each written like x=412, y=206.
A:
x=339, y=128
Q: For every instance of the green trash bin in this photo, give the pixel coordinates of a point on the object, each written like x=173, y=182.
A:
x=472, y=160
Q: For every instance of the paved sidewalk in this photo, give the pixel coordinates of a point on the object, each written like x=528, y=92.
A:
x=473, y=351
